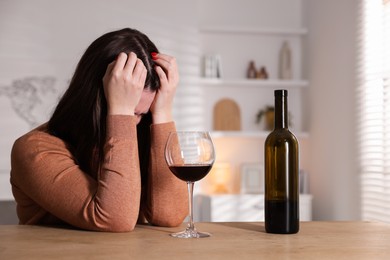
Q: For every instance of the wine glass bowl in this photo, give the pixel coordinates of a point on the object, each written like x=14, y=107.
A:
x=190, y=156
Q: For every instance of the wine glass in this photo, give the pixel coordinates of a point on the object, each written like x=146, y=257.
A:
x=190, y=156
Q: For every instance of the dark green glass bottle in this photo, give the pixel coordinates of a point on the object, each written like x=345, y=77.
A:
x=281, y=173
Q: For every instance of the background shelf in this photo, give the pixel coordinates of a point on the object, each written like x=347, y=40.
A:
x=255, y=82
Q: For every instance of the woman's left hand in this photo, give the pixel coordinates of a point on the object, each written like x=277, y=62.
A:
x=169, y=78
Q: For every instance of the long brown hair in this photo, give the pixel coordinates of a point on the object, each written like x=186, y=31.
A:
x=80, y=116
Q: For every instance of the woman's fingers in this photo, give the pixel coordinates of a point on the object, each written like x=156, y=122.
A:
x=130, y=64
x=143, y=76
x=109, y=70
x=120, y=62
x=123, y=84
x=161, y=74
x=168, y=63
x=138, y=70
x=128, y=67
x=162, y=56
x=169, y=66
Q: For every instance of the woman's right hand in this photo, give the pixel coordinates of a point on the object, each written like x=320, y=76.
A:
x=123, y=84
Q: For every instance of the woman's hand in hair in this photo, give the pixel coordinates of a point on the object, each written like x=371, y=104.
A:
x=123, y=84
x=169, y=78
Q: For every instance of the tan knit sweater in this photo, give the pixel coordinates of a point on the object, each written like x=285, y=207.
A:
x=50, y=188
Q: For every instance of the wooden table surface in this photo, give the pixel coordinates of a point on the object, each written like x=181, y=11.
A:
x=236, y=240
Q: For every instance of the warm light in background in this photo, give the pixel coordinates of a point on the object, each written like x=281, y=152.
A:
x=219, y=179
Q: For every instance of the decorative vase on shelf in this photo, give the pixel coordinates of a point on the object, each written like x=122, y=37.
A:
x=262, y=73
x=285, y=68
x=251, y=71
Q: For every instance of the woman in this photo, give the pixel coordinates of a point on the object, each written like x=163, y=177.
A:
x=98, y=164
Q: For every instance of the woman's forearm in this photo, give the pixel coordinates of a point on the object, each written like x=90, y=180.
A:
x=167, y=202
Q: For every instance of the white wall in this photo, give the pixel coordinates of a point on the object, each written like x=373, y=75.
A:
x=331, y=63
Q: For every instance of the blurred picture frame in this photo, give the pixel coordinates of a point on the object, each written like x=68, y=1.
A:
x=252, y=178
x=212, y=66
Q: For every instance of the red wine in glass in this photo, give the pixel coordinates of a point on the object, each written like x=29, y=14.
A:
x=190, y=156
x=190, y=173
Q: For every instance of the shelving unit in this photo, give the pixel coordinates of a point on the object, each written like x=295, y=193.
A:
x=237, y=42
x=236, y=47
x=254, y=83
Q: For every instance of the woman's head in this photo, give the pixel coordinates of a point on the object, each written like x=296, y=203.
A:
x=80, y=116
x=106, y=48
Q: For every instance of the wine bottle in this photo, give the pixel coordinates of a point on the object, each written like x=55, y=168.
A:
x=281, y=173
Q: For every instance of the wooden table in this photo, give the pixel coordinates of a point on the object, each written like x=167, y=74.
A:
x=316, y=240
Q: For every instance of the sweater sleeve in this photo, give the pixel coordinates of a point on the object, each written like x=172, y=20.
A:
x=167, y=199
x=44, y=171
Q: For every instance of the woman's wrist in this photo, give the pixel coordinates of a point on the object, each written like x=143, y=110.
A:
x=120, y=111
x=159, y=118
x=121, y=126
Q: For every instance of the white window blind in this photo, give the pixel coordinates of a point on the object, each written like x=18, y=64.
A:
x=373, y=95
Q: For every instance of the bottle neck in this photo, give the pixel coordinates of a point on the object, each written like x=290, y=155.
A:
x=281, y=114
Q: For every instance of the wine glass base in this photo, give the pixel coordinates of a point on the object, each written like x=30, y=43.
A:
x=190, y=234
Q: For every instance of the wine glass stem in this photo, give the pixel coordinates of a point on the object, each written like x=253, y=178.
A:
x=191, y=204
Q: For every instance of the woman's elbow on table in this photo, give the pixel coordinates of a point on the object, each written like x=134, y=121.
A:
x=123, y=228
x=124, y=222
x=167, y=218
x=117, y=226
